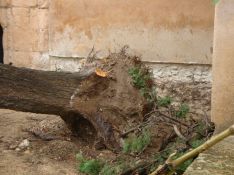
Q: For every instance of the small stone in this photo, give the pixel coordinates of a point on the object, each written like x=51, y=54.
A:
x=27, y=152
x=17, y=149
x=24, y=144
x=12, y=147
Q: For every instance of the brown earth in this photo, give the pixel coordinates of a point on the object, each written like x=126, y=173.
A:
x=52, y=147
x=50, y=154
x=41, y=157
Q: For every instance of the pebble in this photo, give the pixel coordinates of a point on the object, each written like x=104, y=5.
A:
x=27, y=152
x=24, y=144
x=17, y=149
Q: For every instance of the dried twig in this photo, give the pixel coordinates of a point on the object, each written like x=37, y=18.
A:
x=173, y=119
x=153, y=121
x=178, y=133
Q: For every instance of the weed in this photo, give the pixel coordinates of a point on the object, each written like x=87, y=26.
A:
x=196, y=143
x=149, y=94
x=109, y=170
x=181, y=168
x=164, y=101
x=137, y=144
x=114, y=169
x=142, y=80
x=183, y=111
x=139, y=79
x=95, y=166
x=89, y=166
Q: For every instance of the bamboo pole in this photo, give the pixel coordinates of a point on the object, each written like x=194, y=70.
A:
x=171, y=165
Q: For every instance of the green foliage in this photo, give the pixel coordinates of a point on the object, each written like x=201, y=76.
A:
x=161, y=157
x=164, y=101
x=114, y=169
x=95, y=166
x=89, y=166
x=109, y=170
x=139, y=78
x=137, y=144
x=197, y=142
x=183, y=111
x=201, y=128
x=149, y=94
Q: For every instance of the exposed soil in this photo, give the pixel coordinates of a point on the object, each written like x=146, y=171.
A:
x=41, y=157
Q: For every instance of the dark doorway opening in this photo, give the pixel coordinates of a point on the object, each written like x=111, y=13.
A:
x=1, y=45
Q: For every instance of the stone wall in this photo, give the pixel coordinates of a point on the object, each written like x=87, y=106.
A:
x=189, y=84
x=26, y=29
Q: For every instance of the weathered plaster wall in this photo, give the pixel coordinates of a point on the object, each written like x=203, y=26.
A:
x=178, y=31
x=223, y=66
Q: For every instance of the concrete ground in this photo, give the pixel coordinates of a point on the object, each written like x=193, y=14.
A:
x=219, y=160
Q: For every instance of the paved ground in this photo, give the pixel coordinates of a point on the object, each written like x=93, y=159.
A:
x=219, y=160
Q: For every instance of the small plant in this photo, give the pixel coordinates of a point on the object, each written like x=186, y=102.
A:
x=142, y=80
x=89, y=166
x=149, y=94
x=109, y=170
x=196, y=143
x=183, y=111
x=95, y=166
x=137, y=144
x=164, y=101
x=182, y=168
x=139, y=78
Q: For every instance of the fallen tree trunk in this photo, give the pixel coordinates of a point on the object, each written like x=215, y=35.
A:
x=37, y=91
x=106, y=102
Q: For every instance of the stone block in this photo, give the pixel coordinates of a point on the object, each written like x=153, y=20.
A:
x=39, y=18
x=5, y=3
x=43, y=18
x=34, y=19
x=43, y=42
x=21, y=59
x=43, y=4
x=3, y=17
x=40, y=61
x=20, y=17
x=7, y=56
x=24, y=39
x=24, y=3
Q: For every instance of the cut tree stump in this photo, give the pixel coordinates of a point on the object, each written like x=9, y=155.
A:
x=110, y=104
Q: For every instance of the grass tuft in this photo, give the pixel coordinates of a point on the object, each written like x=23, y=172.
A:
x=137, y=144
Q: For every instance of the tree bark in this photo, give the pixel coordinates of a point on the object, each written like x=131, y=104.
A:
x=49, y=92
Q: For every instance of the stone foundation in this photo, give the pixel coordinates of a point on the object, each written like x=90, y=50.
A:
x=190, y=84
